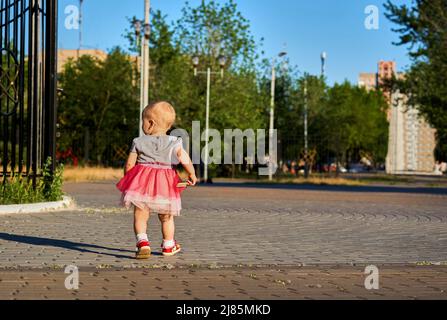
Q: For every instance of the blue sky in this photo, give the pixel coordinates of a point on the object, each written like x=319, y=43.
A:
x=306, y=27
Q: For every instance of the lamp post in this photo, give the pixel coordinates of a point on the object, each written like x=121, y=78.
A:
x=143, y=32
x=272, y=112
x=306, y=139
x=138, y=26
x=222, y=62
x=147, y=33
x=80, y=21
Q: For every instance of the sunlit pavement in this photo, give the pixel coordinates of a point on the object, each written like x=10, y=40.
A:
x=240, y=241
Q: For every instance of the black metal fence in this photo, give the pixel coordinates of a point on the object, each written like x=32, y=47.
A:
x=28, y=79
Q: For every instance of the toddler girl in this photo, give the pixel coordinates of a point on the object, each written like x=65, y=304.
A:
x=151, y=182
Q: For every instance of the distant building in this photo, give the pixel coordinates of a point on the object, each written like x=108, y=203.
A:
x=412, y=140
x=64, y=55
x=368, y=81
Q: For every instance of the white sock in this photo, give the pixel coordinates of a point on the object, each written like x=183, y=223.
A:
x=168, y=243
x=142, y=236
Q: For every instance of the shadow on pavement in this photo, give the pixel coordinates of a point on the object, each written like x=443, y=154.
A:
x=372, y=189
x=64, y=244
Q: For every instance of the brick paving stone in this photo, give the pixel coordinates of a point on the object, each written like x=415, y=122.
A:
x=243, y=226
x=276, y=226
x=396, y=282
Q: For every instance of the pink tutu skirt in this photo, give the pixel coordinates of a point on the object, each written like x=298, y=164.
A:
x=152, y=187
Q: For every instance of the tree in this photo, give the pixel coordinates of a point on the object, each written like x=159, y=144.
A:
x=316, y=101
x=101, y=98
x=423, y=28
x=99, y=103
x=161, y=40
x=221, y=30
x=356, y=123
x=289, y=110
x=171, y=75
x=210, y=30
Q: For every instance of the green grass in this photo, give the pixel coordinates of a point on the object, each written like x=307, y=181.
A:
x=391, y=180
x=19, y=190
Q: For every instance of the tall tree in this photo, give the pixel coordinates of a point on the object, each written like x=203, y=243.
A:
x=161, y=38
x=218, y=29
x=211, y=30
x=423, y=28
x=99, y=104
x=356, y=123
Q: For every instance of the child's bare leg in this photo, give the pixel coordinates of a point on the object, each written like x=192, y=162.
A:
x=167, y=226
x=141, y=218
x=170, y=247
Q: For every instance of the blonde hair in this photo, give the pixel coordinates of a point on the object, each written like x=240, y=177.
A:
x=162, y=112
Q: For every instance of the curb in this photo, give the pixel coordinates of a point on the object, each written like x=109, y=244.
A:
x=66, y=203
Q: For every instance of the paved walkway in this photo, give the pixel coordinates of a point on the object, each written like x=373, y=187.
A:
x=222, y=284
x=242, y=227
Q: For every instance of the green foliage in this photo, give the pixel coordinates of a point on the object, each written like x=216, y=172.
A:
x=100, y=101
x=356, y=122
x=19, y=190
x=423, y=28
x=210, y=30
x=160, y=41
x=52, y=181
x=236, y=99
x=99, y=106
x=344, y=121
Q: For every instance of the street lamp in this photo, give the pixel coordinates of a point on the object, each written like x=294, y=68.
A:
x=306, y=138
x=323, y=63
x=147, y=31
x=222, y=63
x=142, y=33
x=137, y=26
x=272, y=113
x=195, y=63
x=80, y=21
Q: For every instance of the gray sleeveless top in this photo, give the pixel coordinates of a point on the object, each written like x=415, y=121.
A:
x=157, y=149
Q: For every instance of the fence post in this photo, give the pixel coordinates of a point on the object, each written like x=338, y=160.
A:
x=51, y=81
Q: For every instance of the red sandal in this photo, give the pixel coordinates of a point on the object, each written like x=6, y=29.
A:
x=167, y=252
x=143, y=250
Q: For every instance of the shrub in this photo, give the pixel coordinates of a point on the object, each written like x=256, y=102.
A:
x=19, y=189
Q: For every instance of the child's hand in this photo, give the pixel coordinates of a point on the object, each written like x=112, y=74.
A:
x=192, y=181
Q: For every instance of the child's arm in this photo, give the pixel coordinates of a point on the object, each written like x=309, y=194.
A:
x=185, y=160
x=131, y=161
